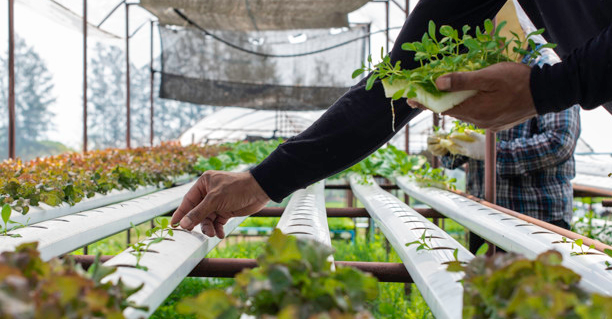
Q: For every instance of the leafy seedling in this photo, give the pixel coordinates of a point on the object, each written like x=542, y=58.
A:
x=456, y=265
x=6, y=219
x=451, y=52
x=578, y=243
x=482, y=250
x=422, y=242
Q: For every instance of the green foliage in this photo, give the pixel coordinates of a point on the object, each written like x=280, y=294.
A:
x=71, y=177
x=511, y=286
x=460, y=127
x=32, y=288
x=237, y=153
x=294, y=280
x=433, y=177
x=388, y=162
x=445, y=55
x=162, y=231
x=482, y=250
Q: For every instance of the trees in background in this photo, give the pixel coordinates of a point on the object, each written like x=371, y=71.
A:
x=106, y=104
x=33, y=98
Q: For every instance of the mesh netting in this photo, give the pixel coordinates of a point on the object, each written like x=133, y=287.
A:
x=199, y=69
x=256, y=14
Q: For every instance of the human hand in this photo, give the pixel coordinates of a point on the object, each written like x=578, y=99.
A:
x=216, y=197
x=503, y=99
x=468, y=143
x=433, y=145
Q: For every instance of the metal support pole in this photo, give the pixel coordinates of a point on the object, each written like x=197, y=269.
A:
x=85, y=77
x=152, y=83
x=407, y=133
x=127, y=75
x=490, y=174
x=436, y=122
x=387, y=25
x=11, y=84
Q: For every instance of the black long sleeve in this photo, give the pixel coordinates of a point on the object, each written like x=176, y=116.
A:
x=360, y=121
x=584, y=77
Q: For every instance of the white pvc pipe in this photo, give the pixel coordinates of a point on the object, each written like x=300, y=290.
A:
x=305, y=215
x=172, y=261
x=401, y=224
x=513, y=234
x=62, y=235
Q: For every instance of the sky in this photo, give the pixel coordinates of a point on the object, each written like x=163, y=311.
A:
x=61, y=49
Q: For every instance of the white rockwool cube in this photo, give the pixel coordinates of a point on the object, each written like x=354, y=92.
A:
x=436, y=103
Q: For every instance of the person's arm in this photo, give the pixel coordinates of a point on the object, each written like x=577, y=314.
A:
x=584, y=77
x=353, y=127
x=553, y=146
x=359, y=122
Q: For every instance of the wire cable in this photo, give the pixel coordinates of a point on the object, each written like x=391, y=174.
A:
x=265, y=55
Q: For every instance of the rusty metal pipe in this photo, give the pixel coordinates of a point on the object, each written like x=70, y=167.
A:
x=344, y=187
x=229, y=267
x=351, y=212
x=84, y=76
x=127, y=75
x=11, y=76
x=152, y=80
x=588, y=191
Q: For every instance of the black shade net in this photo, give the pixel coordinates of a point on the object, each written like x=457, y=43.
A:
x=198, y=68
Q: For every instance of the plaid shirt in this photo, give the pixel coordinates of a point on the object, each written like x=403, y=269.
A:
x=535, y=163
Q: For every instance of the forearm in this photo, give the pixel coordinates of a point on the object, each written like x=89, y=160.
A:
x=584, y=77
x=360, y=121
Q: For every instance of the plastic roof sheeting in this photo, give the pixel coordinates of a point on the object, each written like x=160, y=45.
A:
x=230, y=124
x=65, y=16
x=250, y=15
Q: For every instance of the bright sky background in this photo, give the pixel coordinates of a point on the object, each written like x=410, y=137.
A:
x=61, y=49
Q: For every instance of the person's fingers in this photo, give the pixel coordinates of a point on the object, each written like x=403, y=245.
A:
x=207, y=227
x=218, y=225
x=205, y=208
x=460, y=81
x=193, y=197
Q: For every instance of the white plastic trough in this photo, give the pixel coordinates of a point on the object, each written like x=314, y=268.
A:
x=62, y=235
x=45, y=212
x=401, y=224
x=513, y=234
x=172, y=261
x=305, y=215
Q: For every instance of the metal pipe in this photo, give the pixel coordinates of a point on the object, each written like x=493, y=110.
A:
x=152, y=79
x=230, y=267
x=110, y=13
x=398, y=5
x=435, y=163
x=11, y=84
x=588, y=191
x=127, y=75
x=387, y=26
x=490, y=167
x=556, y=229
x=85, y=77
x=350, y=212
x=385, y=187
